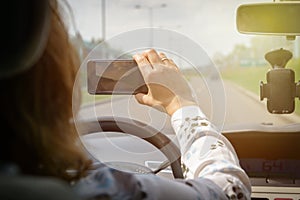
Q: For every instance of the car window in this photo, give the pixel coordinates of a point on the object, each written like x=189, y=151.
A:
x=236, y=62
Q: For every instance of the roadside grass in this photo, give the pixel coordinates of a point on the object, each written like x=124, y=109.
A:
x=88, y=98
x=250, y=77
x=295, y=65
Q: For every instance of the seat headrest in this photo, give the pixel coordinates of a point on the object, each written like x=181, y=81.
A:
x=25, y=29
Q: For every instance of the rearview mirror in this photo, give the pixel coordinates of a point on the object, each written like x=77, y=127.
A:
x=269, y=18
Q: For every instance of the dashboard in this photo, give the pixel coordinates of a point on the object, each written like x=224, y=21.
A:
x=271, y=158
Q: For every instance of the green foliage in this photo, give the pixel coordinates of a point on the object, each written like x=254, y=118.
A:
x=88, y=98
x=250, y=77
x=295, y=65
x=247, y=77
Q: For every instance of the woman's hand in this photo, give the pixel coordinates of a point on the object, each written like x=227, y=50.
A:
x=167, y=89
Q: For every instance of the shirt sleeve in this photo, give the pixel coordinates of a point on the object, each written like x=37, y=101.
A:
x=206, y=153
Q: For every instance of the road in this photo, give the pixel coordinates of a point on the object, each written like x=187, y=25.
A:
x=228, y=105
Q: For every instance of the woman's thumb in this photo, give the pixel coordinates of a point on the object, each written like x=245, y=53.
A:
x=141, y=98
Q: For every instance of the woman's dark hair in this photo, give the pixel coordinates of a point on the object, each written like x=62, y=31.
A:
x=36, y=110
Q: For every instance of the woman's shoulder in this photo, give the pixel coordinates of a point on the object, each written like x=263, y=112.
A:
x=107, y=182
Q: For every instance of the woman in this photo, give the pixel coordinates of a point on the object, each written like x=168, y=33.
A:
x=39, y=101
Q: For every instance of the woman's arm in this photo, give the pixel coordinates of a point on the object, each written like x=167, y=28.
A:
x=208, y=154
x=205, y=152
x=212, y=167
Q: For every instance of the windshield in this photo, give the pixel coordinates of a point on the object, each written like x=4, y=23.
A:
x=226, y=80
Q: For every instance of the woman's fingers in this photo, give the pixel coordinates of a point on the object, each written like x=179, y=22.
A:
x=167, y=61
x=164, y=58
x=172, y=62
x=143, y=64
x=153, y=57
x=168, y=90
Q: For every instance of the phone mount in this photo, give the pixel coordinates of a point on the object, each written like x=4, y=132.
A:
x=280, y=89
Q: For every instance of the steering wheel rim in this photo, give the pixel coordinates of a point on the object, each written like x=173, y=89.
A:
x=138, y=129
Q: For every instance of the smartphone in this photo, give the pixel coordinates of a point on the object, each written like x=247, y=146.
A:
x=114, y=77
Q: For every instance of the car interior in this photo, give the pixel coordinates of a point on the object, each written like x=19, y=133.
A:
x=270, y=154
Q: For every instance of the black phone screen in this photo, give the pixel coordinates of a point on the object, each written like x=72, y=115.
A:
x=115, y=77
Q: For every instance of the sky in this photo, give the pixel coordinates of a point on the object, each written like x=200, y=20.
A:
x=209, y=23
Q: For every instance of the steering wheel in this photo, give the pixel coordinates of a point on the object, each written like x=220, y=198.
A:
x=140, y=130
